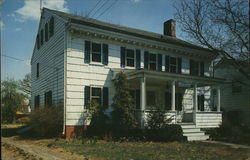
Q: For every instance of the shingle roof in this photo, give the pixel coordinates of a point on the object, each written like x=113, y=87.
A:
x=126, y=30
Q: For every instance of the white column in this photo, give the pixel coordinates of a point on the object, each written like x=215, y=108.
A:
x=195, y=104
x=143, y=98
x=218, y=99
x=173, y=96
x=195, y=98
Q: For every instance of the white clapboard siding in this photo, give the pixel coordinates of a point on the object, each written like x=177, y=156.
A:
x=208, y=119
x=50, y=57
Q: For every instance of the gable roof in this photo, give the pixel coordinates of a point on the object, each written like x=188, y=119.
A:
x=127, y=30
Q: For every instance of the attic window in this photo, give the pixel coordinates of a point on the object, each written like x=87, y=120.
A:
x=51, y=27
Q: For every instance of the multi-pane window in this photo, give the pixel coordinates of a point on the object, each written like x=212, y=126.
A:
x=173, y=64
x=96, y=52
x=96, y=94
x=201, y=100
x=152, y=61
x=151, y=99
x=130, y=57
x=196, y=68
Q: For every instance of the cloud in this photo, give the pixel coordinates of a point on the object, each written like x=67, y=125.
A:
x=31, y=9
x=2, y=25
x=18, y=29
x=135, y=1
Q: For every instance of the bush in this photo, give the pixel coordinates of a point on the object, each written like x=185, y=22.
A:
x=46, y=121
x=169, y=133
x=172, y=132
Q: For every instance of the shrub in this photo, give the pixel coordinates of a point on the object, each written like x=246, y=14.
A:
x=123, y=104
x=172, y=132
x=46, y=121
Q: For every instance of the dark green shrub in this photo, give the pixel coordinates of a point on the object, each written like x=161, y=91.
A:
x=46, y=121
x=170, y=132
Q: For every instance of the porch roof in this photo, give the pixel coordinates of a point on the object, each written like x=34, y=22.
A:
x=201, y=81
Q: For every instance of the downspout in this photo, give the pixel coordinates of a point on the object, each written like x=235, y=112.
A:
x=65, y=75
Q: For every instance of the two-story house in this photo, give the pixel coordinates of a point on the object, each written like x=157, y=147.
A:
x=75, y=59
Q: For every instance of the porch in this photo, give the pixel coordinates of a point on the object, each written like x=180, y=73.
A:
x=185, y=98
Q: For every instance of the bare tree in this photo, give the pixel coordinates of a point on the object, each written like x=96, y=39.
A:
x=220, y=25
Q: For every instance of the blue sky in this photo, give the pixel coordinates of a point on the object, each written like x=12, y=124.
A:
x=20, y=19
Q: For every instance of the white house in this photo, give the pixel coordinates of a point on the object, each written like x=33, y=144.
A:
x=75, y=59
x=235, y=98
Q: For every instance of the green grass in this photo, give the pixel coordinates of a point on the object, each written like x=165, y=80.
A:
x=154, y=151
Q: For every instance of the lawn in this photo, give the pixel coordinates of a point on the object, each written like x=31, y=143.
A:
x=102, y=150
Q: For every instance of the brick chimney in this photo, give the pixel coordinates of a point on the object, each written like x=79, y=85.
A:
x=169, y=28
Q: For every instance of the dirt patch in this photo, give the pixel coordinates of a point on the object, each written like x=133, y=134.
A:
x=38, y=149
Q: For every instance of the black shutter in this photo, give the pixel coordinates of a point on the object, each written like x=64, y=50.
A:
x=159, y=66
x=105, y=97
x=138, y=99
x=138, y=59
x=202, y=69
x=168, y=101
x=49, y=94
x=167, y=63
x=105, y=51
x=146, y=54
x=51, y=27
x=202, y=102
x=46, y=32
x=122, y=56
x=191, y=65
x=37, y=101
x=87, y=52
x=37, y=70
x=37, y=41
x=86, y=96
x=179, y=60
x=41, y=37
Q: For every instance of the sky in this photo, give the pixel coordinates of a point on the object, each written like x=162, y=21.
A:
x=20, y=19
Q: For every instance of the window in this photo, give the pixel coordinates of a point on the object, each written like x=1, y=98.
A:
x=130, y=57
x=152, y=61
x=178, y=101
x=96, y=94
x=48, y=98
x=41, y=37
x=51, y=27
x=37, y=42
x=46, y=32
x=100, y=95
x=236, y=87
x=96, y=52
x=37, y=101
x=173, y=64
x=151, y=99
x=37, y=70
x=196, y=68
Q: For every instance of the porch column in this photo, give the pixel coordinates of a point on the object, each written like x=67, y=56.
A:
x=195, y=104
x=218, y=99
x=195, y=98
x=173, y=96
x=142, y=99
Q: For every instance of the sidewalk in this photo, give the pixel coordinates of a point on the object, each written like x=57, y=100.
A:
x=232, y=145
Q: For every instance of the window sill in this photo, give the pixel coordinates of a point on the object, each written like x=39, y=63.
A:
x=96, y=64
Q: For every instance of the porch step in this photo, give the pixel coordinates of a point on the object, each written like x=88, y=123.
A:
x=193, y=133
